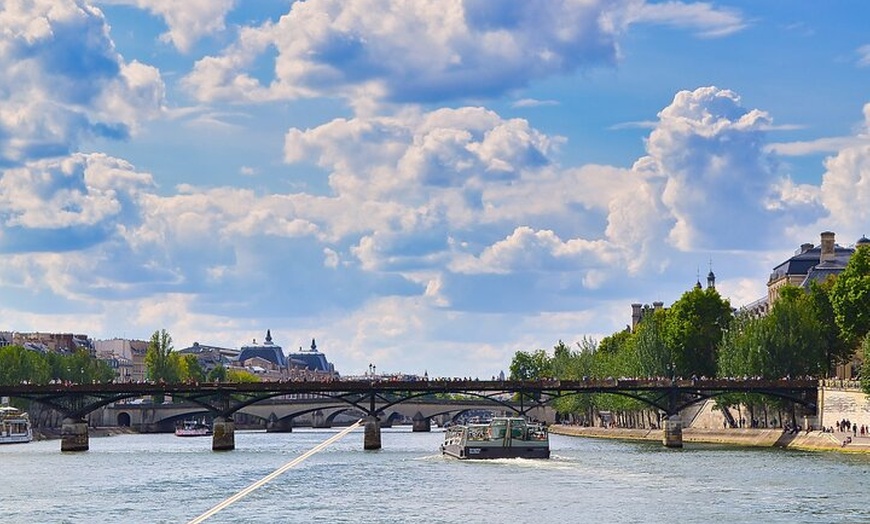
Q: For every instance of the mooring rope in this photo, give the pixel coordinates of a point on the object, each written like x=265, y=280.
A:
x=276, y=473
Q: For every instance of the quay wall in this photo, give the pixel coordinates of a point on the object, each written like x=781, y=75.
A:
x=837, y=401
x=768, y=438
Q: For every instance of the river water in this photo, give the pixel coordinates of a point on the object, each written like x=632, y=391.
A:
x=167, y=479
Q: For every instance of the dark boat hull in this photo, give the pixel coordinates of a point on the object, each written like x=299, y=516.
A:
x=496, y=452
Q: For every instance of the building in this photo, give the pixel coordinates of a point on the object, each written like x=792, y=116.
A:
x=267, y=351
x=311, y=360
x=126, y=356
x=210, y=357
x=67, y=343
x=810, y=263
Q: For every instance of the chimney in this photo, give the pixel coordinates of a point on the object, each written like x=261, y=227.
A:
x=827, y=247
x=635, y=315
x=805, y=247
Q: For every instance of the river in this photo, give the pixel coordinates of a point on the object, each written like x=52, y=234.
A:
x=167, y=479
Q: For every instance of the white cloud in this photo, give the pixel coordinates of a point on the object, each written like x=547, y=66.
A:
x=188, y=21
x=709, y=149
x=82, y=191
x=864, y=55
x=707, y=20
x=63, y=80
x=439, y=49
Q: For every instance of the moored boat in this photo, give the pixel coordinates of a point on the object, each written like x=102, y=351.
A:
x=14, y=426
x=502, y=437
x=193, y=428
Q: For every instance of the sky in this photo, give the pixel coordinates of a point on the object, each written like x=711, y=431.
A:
x=425, y=186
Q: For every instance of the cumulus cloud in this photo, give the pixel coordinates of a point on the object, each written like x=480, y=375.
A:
x=78, y=199
x=188, y=21
x=63, y=80
x=710, y=152
x=439, y=49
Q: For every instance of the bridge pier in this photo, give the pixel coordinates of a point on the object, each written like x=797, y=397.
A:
x=318, y=420
x=284, y=425
x=672, y=435
x=420, y=424
x=74, y=435
x=223, y=437
x=372, y=437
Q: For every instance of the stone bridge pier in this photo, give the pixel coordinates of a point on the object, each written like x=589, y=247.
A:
x=372, y=437
x=223, y=434
x=672, y=431
x=74, y=435
x=420, y=424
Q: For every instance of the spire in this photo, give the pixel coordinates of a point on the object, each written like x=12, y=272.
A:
x=711, y=278
x=698, y=279
x=268, y=336
x=313, y=346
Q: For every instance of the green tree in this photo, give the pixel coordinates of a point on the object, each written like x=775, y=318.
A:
x=655, y=358
x=796, y=344
x=18, y=364
x=191, y=369
x=242, y=376
x=694, y=329
x=837, y=350
x=788, y=341
x=850, y=297
x=218, y=374
x=530, y=366
x=160, y=362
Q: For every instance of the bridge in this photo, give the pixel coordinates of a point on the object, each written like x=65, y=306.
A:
x=373, y=398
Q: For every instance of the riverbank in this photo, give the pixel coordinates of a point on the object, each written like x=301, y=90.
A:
x=103, y=431
x=768, y=438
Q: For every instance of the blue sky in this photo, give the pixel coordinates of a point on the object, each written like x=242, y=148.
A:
x=426, y=186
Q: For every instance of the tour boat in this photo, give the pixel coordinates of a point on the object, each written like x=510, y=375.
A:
x=14, y=426
x=502, y=437
x=193, y=428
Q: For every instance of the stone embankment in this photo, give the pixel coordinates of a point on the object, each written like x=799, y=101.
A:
x=812, y=441
x=103, y=431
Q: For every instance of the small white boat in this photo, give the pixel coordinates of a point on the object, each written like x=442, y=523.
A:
x=14, y=426
x=193, y=428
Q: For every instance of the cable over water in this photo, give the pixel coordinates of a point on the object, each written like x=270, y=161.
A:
x=275, y=474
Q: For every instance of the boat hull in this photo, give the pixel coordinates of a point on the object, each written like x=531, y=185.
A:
x=495, y=452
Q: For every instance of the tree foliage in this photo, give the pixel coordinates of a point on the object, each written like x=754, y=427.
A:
x=850, y=297
x=693, y=331
x=161, y=364
x=530, y=366
x=18, y=364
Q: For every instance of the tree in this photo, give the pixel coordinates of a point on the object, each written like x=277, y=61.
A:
x=694, y=329
x=242, y=376
x=850, y=297
x=796, y=344
x=191, y=369
x=837, y=350
x=218, y=374
x=788, y=341
x=160, y=365
x=530, y=366
x=655, y=357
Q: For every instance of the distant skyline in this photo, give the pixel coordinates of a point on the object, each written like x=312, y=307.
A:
x=427, y=189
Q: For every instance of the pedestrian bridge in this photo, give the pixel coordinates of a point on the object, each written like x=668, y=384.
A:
x=379, y=400
x=284, y=414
